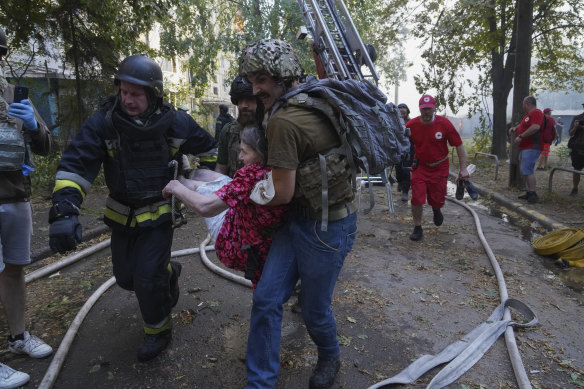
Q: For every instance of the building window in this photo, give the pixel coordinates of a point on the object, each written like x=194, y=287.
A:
x=215, y=91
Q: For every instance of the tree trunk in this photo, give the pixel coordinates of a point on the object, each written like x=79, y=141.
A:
x=521, y=79
x=77, y=76
x=502, y=75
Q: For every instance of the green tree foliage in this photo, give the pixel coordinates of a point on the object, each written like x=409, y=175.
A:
x=381, y=23
x=23, y=21
x=92, y=36
x=476, y=35
x=88, y=36
x=202, y=29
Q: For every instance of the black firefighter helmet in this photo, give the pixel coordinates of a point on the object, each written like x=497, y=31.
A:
x=140, y=70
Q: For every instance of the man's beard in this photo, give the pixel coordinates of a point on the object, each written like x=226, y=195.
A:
x=246, y=118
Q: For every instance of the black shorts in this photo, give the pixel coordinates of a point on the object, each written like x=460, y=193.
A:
x=577, y=160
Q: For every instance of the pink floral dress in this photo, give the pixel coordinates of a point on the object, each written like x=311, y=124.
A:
x=246, y=223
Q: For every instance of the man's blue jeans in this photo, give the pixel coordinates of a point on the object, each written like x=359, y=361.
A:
x=299, y=250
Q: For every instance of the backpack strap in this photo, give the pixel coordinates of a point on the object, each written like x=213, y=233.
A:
x=303, y=100
x=324, y=197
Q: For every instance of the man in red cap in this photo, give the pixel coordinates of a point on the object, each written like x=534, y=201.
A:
x=543, y=157
x=431, y=135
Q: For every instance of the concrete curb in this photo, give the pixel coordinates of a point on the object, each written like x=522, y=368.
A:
x=521, y=208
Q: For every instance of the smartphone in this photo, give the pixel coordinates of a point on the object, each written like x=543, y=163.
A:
x=20, y=93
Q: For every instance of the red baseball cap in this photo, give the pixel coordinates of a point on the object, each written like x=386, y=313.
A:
x=547, y=110
x=427, y=101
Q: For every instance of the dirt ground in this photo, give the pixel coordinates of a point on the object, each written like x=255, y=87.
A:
x=395, y=300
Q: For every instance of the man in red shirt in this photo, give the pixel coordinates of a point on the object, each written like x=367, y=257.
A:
x=530, y=145
x=431, y=135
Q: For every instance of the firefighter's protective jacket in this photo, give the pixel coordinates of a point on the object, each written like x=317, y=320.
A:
x=135, y=160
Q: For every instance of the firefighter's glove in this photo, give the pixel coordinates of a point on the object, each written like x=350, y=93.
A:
x=65, y=230
x=65, y=233
x=25, y=112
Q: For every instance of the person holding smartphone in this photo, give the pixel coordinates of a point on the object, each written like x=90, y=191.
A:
x=21, y=131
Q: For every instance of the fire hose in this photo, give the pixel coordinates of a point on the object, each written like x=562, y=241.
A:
x=59, y=357
x=462, y=354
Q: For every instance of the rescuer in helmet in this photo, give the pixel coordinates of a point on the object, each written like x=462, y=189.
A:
x=301, y=249
x=135, y=134
x=249, y=110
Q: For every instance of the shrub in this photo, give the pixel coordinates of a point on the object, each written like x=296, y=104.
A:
x=43, y=178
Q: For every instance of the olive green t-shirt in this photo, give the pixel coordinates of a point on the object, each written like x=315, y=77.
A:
x=297, y=134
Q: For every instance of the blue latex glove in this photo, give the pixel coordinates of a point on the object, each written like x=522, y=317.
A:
x=26, y=170
x=24, y=111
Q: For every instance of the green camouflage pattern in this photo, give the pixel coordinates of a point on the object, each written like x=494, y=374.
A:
x=338, y=175
x=4, y=87
x=12, y=147
x=233, y=147
x=272, y=56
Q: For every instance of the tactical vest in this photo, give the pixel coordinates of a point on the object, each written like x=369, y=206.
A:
x=233, y=148
x=12, y=147
x=138, y=165
x=309, y=182
x=324, y=180
x=12, y=144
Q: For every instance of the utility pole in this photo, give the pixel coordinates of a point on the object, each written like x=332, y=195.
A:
x=396, y=94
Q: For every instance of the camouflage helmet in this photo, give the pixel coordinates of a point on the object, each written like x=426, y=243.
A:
x=272, y=56
x=3, y=43
x=140, y=70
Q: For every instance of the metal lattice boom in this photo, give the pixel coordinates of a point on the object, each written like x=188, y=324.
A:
x=337, y=41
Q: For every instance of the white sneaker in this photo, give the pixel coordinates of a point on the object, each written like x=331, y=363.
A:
x=10, y=378
x=31, y=345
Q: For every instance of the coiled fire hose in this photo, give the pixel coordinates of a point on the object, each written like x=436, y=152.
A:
x=566, y=244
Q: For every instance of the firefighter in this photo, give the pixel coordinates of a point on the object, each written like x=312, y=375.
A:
x=135, y=134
